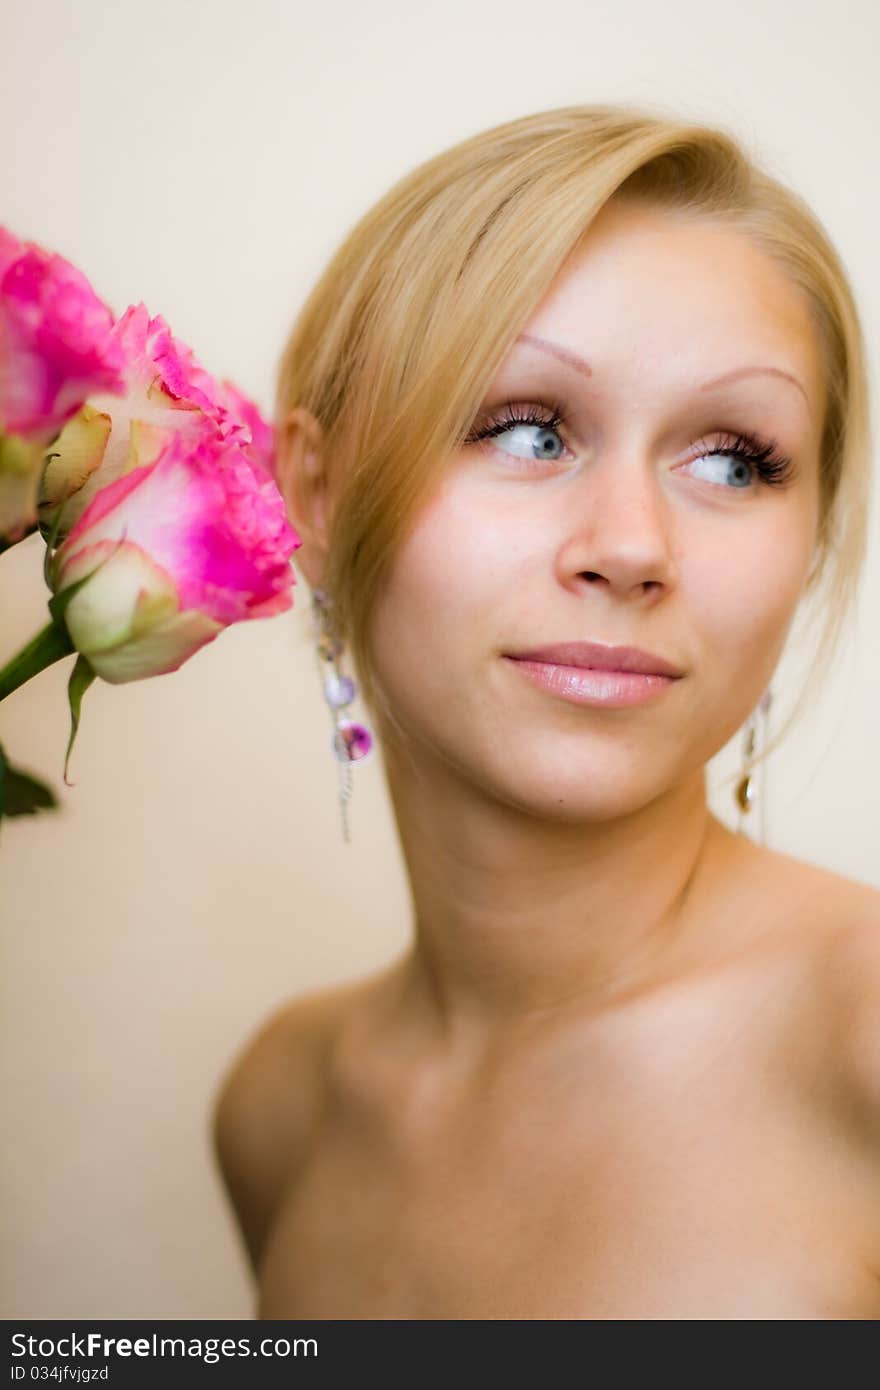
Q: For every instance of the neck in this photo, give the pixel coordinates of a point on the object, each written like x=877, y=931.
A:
x=519, y=919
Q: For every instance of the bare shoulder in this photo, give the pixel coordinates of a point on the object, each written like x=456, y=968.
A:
x=268, y=1099
x=852, y=962
x=833, y=922
x=816, y=897
x=840, y=918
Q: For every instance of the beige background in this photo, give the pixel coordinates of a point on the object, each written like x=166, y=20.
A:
x=207, y=159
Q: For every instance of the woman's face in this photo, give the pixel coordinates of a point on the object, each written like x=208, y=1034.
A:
x=621, y=525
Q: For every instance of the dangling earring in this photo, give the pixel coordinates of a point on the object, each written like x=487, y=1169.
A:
x=754, y=737
x=351, y=741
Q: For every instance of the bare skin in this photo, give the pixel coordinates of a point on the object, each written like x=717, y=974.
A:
x=630, y=1065
x=701, y=1148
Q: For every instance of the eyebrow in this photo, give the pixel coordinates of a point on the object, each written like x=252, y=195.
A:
x=573, y=359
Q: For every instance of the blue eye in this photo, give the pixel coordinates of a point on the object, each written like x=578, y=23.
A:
x=543, y=446
x=737, y=469
x=749, y=456
x=516, y=421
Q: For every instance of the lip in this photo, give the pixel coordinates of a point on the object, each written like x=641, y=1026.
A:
x=598, y=656
x=590, y=686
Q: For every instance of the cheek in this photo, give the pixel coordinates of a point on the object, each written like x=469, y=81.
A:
x=743, y=598
x=434, y=614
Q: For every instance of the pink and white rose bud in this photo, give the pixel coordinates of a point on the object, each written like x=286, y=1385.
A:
x=56, y=349
x=191, y=543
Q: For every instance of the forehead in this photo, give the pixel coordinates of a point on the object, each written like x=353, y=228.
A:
x=650, y=288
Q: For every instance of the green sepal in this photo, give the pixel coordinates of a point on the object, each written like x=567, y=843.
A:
x=49, y=553
x=81, y=678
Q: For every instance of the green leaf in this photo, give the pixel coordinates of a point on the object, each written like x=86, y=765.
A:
x=80, y=679
x=20, y=793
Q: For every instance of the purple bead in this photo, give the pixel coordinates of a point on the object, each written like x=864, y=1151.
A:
x=339, y=690
x=351, y=742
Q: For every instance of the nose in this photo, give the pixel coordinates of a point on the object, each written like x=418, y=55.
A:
x=620, y=533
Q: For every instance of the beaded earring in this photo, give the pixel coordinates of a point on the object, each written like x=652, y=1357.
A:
x=754, y=734
x=351, y=741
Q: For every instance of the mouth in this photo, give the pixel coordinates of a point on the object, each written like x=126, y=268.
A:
x=596, y=673
x=599, y=656
x=607, y=688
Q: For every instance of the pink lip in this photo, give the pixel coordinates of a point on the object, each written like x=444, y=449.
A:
x=591, y=686
x=597, y=656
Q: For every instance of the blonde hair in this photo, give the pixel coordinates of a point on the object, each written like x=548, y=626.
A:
x=400, y=338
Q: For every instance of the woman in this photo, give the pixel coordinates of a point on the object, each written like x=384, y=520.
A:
x=587, y=378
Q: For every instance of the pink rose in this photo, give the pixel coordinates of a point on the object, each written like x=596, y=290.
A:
x=56, y=349
x=186, y=545
x=262, y=447
x=166, y=391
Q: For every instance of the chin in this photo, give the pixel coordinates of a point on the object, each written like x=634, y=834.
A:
x=571, y=798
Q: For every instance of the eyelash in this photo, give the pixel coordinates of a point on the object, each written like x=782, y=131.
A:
x=772, y=467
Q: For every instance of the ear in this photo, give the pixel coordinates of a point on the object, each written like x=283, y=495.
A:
x=302, y=481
